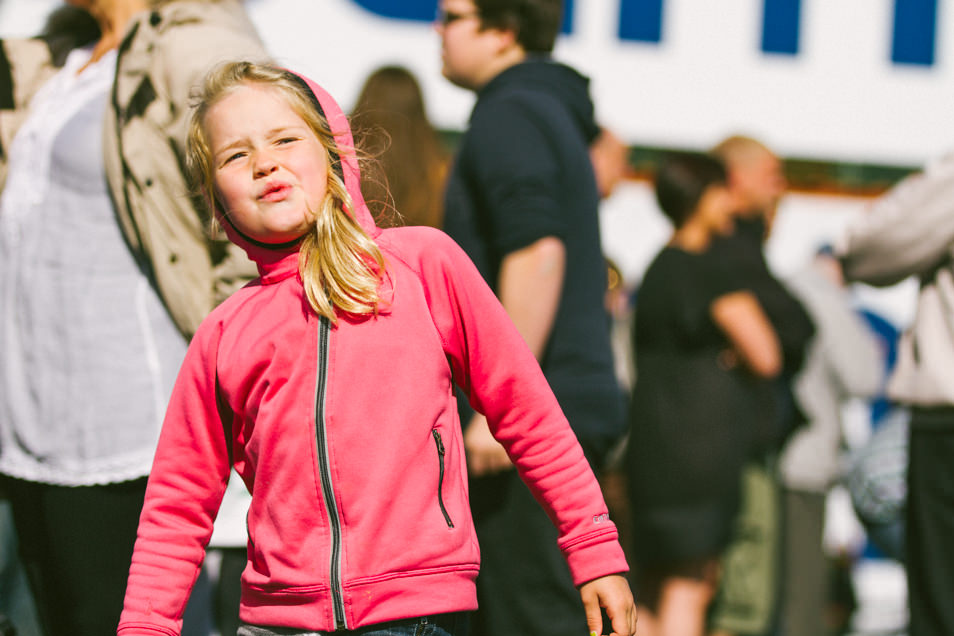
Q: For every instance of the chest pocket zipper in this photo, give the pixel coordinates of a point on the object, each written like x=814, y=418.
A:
x=440, y=481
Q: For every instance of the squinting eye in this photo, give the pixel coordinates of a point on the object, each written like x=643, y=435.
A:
x=231, y=158
x=287, y=140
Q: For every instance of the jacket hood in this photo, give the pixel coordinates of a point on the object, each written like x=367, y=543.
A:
x=546, y=75
x=269, y=257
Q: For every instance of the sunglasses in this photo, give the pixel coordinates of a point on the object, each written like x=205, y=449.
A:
x=448, y=17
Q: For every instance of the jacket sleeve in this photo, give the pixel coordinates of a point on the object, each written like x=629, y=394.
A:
x=188, y=479
x=502, y=380
x=25, y=65
x=190, y=49
x=908, y=231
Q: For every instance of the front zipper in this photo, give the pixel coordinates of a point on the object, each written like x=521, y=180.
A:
x=324, y=335
x=421, y=626
x=440, y=480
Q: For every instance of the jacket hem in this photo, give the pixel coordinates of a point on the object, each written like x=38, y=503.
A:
x=144, y=628
x=409, y=595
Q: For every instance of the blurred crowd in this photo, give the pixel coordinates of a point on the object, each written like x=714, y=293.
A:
x=709, y=396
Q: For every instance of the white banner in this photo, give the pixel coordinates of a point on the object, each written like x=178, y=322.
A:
x=838, y=94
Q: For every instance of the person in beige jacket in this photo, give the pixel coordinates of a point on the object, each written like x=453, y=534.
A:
x=908, y=232
x=107, y=266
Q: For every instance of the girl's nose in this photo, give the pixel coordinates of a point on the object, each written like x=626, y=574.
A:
x=265, y=165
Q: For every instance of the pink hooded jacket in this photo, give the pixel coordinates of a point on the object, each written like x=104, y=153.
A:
x=348, y=438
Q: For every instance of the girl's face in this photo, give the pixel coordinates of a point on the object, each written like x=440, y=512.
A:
x=270, y=169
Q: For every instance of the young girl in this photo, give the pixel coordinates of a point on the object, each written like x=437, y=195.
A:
x=327, y=383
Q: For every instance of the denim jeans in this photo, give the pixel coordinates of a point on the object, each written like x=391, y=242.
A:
x=440, y=625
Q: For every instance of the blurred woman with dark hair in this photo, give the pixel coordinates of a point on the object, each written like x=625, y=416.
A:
x=391, y=125
x=703, y=349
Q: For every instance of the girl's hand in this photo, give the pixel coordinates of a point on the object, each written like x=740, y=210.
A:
x=612, y=593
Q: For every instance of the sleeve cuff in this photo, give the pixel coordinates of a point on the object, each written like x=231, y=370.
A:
x=594, y=559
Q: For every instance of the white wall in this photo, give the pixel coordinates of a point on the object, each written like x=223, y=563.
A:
x=840, y=98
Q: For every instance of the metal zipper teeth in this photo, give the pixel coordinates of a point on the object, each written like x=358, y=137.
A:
x=324, y=333
x=440, y=480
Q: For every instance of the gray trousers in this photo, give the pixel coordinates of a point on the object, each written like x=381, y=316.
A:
x=805, y=567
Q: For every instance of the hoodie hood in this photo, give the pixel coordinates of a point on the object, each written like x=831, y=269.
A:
x=282, y=257
x=546, y=75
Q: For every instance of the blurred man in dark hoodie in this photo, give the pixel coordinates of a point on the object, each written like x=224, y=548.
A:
x=747, y=599
x=522, y=200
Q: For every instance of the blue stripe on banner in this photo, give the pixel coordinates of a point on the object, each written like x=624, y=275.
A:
x=781, y=22
x=567, y=17
x=418, y=10
x=425, y=10
x=640, y=20
x=915, y=32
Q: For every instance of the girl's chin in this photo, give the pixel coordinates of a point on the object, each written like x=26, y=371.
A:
x=281, y=238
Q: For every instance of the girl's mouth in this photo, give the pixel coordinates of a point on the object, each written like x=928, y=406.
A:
x=275, y=192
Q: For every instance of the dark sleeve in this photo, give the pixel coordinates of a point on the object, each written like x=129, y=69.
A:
x=519, y=174
x=695, y=282
x=740, y=258
x=591, y=130
x=716, y=280
x=719, y=278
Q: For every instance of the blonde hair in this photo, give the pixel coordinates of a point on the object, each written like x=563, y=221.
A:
x=340, y=265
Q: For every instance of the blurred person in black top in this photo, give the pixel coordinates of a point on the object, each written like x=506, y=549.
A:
x=706, y=355
x=757, y=183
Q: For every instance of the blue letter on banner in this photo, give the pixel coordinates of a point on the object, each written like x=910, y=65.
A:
x=640, y=20
x=418, y=10
x=915, y=29
x=781, y=20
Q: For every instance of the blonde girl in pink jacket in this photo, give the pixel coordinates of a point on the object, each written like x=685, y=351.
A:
x=327, y=383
